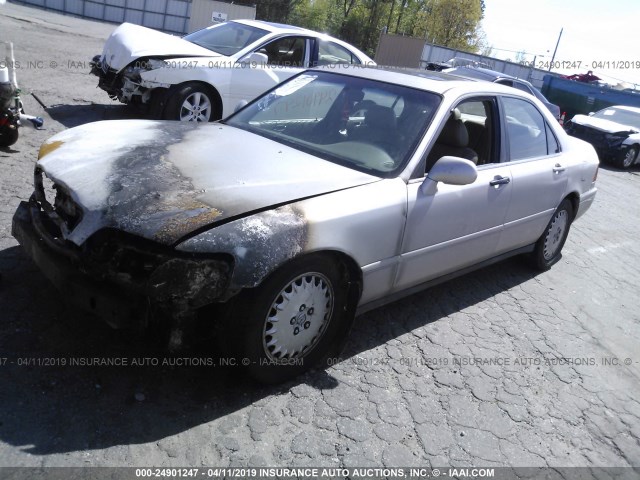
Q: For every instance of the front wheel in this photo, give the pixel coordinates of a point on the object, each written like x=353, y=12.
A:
x=629, y=157
x=549, y=246
x=192, y=103
x=294, y=320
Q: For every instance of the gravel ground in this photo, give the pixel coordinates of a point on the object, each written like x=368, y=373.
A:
x=409, y=391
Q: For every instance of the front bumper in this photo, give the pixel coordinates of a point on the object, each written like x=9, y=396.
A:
x=119, y=292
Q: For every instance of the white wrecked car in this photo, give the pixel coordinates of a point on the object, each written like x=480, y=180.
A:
x=206, y=74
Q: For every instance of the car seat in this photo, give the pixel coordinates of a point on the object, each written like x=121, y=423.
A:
x=453, y=140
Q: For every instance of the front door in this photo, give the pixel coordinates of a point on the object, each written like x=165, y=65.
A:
x=456, y=226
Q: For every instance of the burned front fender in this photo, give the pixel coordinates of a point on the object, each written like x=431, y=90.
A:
x=259, y=243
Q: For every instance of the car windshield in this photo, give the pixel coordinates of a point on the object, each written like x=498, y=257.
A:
x=226, y=38
x=366, y=125
x=618, y=115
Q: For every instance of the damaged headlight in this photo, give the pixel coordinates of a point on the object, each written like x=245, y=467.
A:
x=614, y=140
x=133, y=71
x=157, y=272
x=198, y=281
x=56, y=202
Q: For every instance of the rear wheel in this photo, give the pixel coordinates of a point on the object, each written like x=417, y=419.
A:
x=548, y=248
x=192, y=102
x=293, y=321
x=629, y=157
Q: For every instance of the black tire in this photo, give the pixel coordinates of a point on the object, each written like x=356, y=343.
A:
x=318, y=320
x=204, y=104
x=8, y=135
x=548, y=248
x=628, y=158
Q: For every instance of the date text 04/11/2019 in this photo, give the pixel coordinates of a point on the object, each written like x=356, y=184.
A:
x=578, y=64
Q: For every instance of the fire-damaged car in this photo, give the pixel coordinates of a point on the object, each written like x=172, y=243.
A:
x=334, y=193
x=613, y=131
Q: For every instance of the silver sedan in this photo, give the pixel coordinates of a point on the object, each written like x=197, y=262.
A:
x=336, y=192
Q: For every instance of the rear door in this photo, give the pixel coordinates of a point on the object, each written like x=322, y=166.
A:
x=538, y=172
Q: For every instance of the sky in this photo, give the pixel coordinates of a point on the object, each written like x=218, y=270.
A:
x=603, y=35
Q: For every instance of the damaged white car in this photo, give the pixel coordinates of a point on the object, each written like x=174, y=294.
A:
x=331, y=195
x=205, y=75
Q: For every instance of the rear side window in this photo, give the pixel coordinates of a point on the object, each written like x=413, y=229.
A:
x=528, y=135
x=552, y=142
x=330, y=53
x=523, y=87
x=506, y=82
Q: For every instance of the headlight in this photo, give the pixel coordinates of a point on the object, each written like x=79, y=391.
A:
x=615, y=139
x=199, y=281
x=144, y=65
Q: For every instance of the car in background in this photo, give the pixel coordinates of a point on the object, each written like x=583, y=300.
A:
x=338, y=191
x=503, y=79
x=204, y=75
x=613, y=131
x=454, y=62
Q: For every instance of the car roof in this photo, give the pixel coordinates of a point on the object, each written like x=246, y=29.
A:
x=275, y=27
x=483, y=73
x=438, y=82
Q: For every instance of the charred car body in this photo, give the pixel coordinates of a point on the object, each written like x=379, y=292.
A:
x=330, y=195
x=204, y=75
x=613, y=131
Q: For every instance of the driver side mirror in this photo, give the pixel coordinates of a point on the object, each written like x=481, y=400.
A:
x=452, y=171
x=255, y=58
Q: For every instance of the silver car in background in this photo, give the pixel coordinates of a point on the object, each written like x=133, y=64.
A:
x=336, y=192
x=488, y=75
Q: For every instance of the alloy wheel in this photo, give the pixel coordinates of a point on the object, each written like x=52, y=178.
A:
x=195, y=108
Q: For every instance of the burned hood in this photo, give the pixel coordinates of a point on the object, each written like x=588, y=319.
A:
x=602, y=124
x=130, y=42
x=164, y=180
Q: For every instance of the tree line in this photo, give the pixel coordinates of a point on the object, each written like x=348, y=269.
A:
x=451, y=23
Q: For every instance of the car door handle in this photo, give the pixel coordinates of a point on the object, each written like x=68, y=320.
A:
x=558, y=168
x=497, y=181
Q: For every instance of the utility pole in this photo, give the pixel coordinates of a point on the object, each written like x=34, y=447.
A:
x=554, y=52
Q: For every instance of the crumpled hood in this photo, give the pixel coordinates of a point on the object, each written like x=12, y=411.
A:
x=129, y=42
x=603, y=124
x=163, y=180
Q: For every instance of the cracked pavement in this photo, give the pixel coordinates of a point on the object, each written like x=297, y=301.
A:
x=503, y=367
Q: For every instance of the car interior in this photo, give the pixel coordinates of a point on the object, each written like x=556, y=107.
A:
x=467, y=133
x=285, y=52
x=373, y=128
